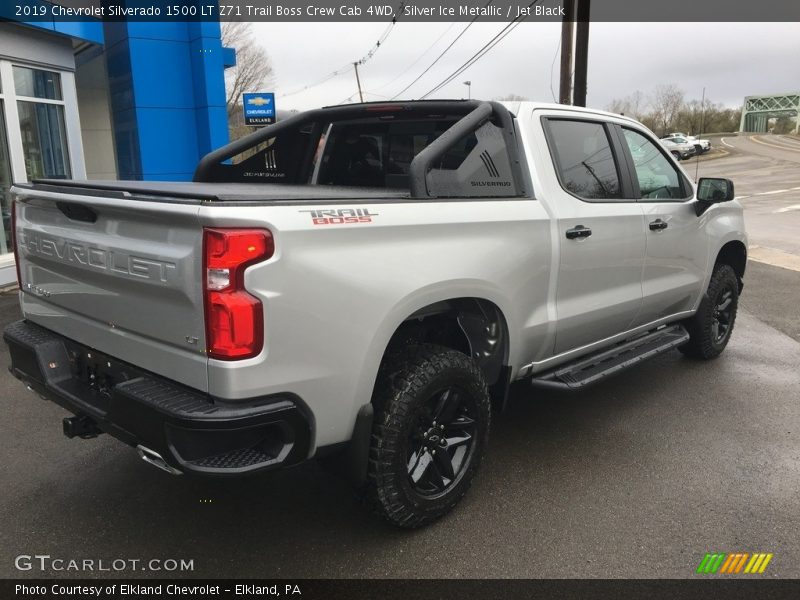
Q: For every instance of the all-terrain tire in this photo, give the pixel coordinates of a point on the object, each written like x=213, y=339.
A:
x=706, y=338
x=413, y=384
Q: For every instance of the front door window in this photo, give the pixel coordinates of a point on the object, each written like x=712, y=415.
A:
x=658, y=178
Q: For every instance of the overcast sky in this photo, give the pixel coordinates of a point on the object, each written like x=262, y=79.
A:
x=731, y=60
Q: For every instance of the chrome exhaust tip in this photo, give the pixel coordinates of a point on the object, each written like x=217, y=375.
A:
x=154, y=458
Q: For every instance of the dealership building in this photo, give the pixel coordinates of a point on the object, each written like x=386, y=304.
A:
x=106, y=101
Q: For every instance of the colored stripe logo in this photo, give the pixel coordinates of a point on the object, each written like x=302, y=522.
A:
x=734, y=563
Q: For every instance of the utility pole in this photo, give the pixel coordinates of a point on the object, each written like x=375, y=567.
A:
x=581, y=52
x=469, y=89
x=358, y=82
x=567, y=27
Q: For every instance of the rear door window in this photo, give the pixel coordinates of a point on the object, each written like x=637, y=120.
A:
x=584, y=159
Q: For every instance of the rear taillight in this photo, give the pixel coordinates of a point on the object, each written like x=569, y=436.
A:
x=234, y=318
x=14, y=239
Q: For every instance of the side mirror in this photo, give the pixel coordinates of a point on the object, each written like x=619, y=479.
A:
x=711, y=190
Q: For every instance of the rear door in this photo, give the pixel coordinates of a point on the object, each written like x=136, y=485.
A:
x=677, y=245
x=600, y=231
x=119, y=275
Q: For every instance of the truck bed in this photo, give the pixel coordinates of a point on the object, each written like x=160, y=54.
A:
x=200, y=193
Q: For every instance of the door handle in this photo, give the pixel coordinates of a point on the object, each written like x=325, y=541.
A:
x=578, y=232
x=658, y=225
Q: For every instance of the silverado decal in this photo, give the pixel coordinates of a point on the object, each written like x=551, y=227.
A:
x=490, y=183
x=340, y=216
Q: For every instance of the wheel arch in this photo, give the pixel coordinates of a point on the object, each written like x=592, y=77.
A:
x=438, y=310
x=472, y=325
x=733, y=253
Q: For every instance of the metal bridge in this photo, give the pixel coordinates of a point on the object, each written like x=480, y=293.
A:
x=758, y=110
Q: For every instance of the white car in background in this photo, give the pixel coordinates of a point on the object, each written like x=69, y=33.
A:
x=679, y=148
x=701, y=146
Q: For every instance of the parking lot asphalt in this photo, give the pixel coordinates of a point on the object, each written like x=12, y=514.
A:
x=639, y=476
x=766, y=172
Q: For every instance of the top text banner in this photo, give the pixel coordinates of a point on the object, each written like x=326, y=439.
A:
x=407, y=10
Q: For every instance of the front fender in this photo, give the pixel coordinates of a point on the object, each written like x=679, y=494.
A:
x=724, y=223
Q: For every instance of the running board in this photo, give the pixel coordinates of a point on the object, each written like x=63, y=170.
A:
x=590, y=369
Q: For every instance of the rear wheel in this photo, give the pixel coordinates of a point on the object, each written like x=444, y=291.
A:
x=431, y=426
x=711, y=327
x=677, y=155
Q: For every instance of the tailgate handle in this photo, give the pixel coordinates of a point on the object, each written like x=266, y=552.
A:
x=77, y=212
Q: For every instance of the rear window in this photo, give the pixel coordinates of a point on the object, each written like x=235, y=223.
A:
x=366, y=150
x=380, y=155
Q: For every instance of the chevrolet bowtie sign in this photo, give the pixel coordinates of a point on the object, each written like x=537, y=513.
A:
x=259, y=109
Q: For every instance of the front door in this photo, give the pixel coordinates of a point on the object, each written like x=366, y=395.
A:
x=677, y=246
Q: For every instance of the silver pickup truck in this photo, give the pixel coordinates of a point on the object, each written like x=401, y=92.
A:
x=362, y=283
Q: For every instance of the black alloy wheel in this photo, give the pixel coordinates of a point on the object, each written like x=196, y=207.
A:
x=723, y=315
x=441, y=447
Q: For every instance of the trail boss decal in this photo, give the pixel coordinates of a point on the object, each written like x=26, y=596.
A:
x=340, y=216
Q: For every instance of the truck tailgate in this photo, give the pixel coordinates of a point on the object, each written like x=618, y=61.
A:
x=119, y=275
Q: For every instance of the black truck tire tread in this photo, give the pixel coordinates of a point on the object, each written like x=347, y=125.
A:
x=401, y=380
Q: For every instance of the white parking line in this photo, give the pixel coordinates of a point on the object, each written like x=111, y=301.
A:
x=755, y=139
x=774, y=257
x=726, y=143
x=787, y=208
x=769, y=193
x=791, y=141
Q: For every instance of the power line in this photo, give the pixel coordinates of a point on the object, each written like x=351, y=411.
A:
x=350, y=66
x=419, y=58
x=552, y=65
x=328, y=77
x=473, y=59
x=384, y=36
x=352, y=96
x=480, y=53
x=438, y=58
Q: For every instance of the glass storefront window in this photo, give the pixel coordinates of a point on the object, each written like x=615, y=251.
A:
x=36, y=83
x=44, y=140
x=5, y=184
x=37, y=107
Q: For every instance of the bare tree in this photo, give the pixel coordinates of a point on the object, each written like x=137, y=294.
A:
x=667, y=111
x=784, y=125
x=513, y=98
x=691, y=117
x=631, y=105
x=253, y=68
x=667, y=101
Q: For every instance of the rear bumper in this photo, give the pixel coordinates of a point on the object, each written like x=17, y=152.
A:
x=193, y=432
